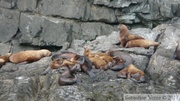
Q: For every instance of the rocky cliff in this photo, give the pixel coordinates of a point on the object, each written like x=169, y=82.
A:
x=74, y=24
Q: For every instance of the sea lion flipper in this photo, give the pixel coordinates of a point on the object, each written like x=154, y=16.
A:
x=46, y=71
x=67, y=81
x=117, y=67
x=91, y=74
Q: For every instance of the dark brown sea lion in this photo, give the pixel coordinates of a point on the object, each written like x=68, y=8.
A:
x=68, y=77
x=125, y=36
x=132, y=72
x=141, y=43
x=29, y=55
x=124, y=59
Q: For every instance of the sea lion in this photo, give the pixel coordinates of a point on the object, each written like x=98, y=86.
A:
x=29, y=55
x=177, y=52
x=99, y=63
x=68, y=77
x=132, y=72
x=107, y=58
x=88, y=53
x=85, y=63
x=125, y=36
x=118, y=64
x=4, y=59
x=141, y=43
x=57, y=63
x=63, y=55
x=122, y=59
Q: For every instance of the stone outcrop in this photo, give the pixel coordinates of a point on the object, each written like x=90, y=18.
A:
x=21, y=82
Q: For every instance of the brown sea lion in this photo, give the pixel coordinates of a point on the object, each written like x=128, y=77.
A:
x=99, y=63
x=118, y=64
x=4, y=59
x=106, y=57
x=122, y=59
x=29, y=55
x=57, y=63
x=63, y=55
x=88, y=53
x=132, y=72
x=125, y=36
x=85, y=63
x=141, y=43
x=177, y=52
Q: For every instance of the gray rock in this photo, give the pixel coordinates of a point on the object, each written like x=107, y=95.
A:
x=64, y=8
x=9, y=20
x=78, y=46
x=164, y=71
x=5, y=49
x=10, y=70
x=8, y=3
x=104, y=43
x=128, y=19
x=140, y=61
x=27, y=5
x=101, y=2
x=169, y=35
x=146, y=33
x=45, y=31
x=117, y=3
x=102, y=14
x=91, y=30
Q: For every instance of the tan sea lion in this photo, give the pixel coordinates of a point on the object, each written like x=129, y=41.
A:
x=141, y=43
x=132, y=71
x=103, y=56
x=29, y=55
x=125, y=36
x=99, y=63
x=4, y=59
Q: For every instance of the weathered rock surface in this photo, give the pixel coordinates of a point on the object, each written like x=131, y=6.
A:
x=23, y=81
x=9, y=20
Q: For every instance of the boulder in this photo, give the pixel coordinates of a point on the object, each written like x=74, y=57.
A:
x=9, y=20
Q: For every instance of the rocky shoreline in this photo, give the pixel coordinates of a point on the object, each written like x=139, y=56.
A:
x=20, y=82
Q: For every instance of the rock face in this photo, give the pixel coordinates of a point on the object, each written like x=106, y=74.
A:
x=74, y=24
x=21, y=82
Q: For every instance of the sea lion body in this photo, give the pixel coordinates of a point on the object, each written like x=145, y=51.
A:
x=125, y=36
x=124, y=59
x=141, y=43
x=132, y=71
x=67, y=78
x=29, y=55
x=4, y=59
x=99, y=63
x=64, y=55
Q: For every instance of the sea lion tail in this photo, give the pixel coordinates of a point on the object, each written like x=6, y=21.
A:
x=67, y=81
x=46, y=71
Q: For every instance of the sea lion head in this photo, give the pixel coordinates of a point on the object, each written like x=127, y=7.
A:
x=122, y=27
x=45, y=52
